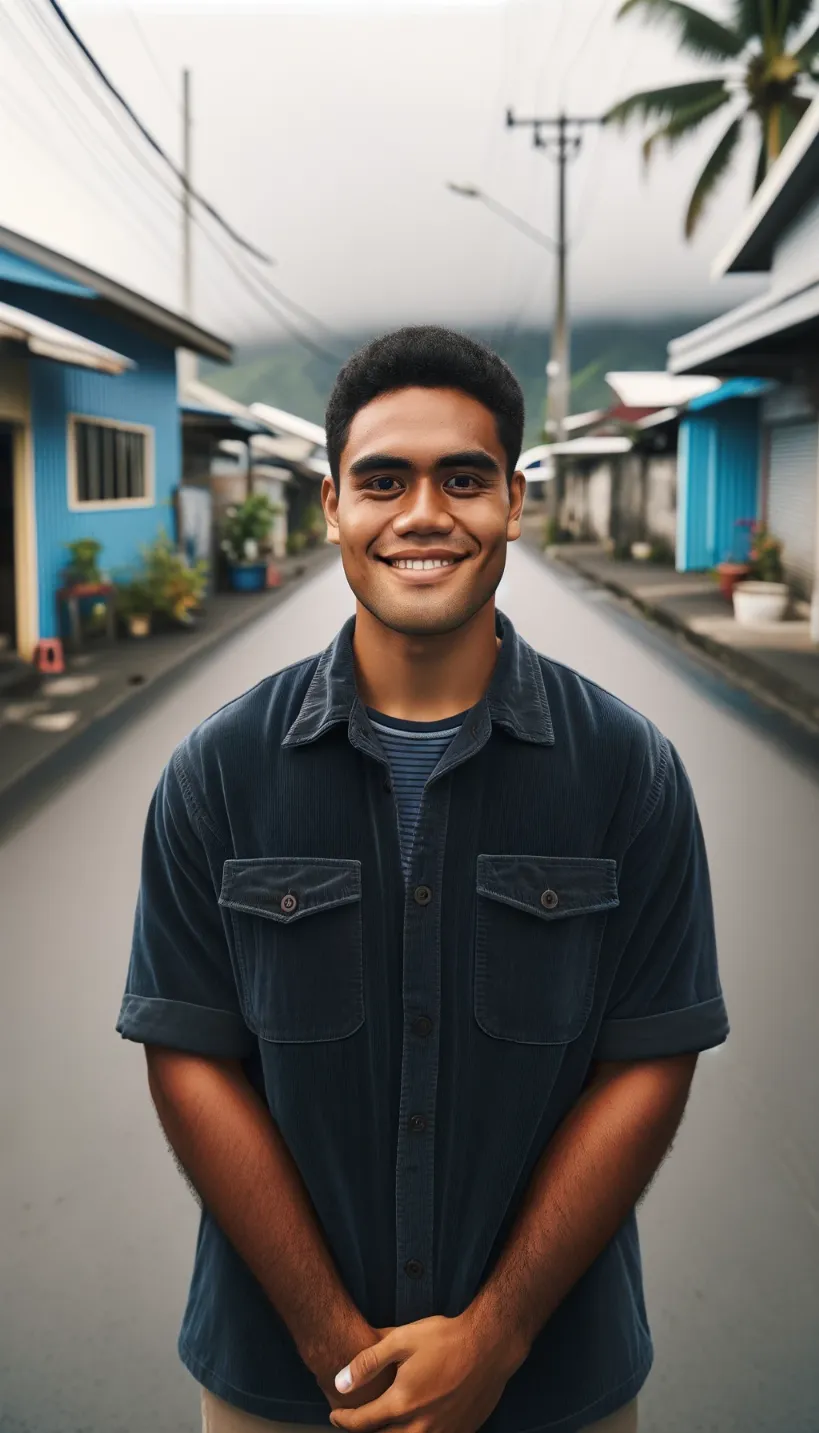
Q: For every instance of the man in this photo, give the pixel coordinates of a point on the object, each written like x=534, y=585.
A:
x=423, y=958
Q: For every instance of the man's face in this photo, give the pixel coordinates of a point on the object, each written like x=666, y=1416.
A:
x=423, y=481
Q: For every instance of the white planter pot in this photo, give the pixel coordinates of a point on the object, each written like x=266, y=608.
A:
x=756, y=603
x=139, y=626
x=641, y=551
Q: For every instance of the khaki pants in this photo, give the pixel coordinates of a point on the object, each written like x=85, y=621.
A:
x=220, y=1417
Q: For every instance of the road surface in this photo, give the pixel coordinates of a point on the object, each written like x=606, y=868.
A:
x=98, y=1228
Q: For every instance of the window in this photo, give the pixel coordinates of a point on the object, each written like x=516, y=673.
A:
x=111, y=463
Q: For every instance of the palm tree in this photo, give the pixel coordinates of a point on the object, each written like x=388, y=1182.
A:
x=775, y=60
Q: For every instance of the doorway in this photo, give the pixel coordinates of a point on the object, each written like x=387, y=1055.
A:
x=8, y=600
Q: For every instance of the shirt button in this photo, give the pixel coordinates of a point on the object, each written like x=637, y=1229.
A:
x=549, y=900
x=289, y=904
x=414, y=1269
x=423, y=895
x=422, y=1026
x=417, y=1124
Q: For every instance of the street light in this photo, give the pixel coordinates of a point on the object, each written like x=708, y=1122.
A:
x=470, y=191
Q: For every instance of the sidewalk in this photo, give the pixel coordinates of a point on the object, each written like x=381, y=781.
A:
x=50, y=725
x=777, y=662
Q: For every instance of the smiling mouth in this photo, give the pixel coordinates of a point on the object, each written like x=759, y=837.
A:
x=420, y=564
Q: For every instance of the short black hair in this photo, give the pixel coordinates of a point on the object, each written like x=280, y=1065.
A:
x=425, y=356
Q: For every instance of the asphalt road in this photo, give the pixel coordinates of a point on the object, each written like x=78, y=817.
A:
x=98, y=1228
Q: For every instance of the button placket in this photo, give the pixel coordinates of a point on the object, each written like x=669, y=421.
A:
x=414, y=1181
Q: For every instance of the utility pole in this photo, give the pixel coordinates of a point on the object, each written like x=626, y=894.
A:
x=561, y=136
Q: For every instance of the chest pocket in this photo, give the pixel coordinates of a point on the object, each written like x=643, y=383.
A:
x=540, y=922
x=297, y=927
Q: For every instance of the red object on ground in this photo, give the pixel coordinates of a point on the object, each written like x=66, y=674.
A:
x=274, y=577
x=730, y=573
x=48, y=656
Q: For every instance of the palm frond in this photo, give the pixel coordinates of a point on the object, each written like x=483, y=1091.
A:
x=664, y=103
x=749, y=18
x=685, y=122
x=808, y=50
x=713, y=172
x=699, y=34
x=791, y=15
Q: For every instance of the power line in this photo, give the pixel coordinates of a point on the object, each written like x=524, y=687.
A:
x=152, y=57
x=146, y=133
x=258, y=285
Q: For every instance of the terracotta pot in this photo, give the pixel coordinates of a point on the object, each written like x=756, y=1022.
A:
x=730, y=573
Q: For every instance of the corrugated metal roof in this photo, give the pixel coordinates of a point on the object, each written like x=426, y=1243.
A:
x=48, y=340
x=734, y=388
x=181, y=331
x=648, y=390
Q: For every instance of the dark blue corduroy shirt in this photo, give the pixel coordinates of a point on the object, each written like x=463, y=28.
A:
x=417, y=1042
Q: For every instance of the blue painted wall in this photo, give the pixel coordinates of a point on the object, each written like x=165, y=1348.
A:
x=145, y=395
x=718, y=458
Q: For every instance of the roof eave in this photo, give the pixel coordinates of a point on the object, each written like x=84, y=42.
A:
x=184, y=333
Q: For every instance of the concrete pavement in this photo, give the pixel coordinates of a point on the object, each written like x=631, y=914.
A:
x=98, y=1229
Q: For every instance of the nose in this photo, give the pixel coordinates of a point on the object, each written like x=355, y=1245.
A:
x=426, y=511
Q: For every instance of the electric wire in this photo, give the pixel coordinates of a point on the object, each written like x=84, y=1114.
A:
x=148, y=136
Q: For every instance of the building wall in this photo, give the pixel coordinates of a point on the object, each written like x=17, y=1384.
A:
x=146, y=396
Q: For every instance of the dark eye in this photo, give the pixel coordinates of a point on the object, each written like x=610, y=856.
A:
x=381, y=485
x=464, y=480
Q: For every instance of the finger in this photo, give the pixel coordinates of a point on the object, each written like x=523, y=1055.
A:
x=371, y=1361
x=371, y=1416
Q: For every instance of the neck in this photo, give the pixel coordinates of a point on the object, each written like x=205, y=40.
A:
x=424, y=678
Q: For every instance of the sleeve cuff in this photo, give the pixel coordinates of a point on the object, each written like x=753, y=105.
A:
x=672, y=1032
x=195, y=1028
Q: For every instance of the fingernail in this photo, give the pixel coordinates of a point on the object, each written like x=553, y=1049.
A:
x=344, y=1380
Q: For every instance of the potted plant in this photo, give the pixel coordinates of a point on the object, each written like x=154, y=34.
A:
x=735, y=567
x=82, y=575
x=134, y=603
x=296, y=543
x=246, y=528
x=763, y=597
x=175, y=587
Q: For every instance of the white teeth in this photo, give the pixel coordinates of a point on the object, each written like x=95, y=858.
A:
x=419, y=564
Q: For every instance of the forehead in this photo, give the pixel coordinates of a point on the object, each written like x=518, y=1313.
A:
x=422, y=423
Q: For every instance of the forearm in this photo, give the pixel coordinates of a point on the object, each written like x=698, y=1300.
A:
x=235, y=1157
x=591, y=1175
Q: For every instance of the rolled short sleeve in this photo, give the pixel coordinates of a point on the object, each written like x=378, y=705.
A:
x=666, y=997
x=181, y=990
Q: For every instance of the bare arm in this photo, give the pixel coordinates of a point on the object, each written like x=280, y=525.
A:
x=596, y=1167
x=236, y=1159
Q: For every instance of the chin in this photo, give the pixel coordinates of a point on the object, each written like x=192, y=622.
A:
x=414, y=618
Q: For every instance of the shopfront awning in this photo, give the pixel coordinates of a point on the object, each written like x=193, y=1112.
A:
x=48, y=340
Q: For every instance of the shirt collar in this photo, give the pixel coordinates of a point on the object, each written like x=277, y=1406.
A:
x=516, y=699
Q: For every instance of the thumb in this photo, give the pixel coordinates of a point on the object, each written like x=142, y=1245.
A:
x=370, y=1362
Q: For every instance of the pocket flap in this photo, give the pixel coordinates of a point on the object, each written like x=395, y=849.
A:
x=551, y=887
x=285, y=888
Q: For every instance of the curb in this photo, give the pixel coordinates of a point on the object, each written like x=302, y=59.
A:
x=39, y=782
x=784, y=696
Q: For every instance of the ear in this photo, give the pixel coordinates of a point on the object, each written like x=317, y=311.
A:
x=329, y=502
x=517, y=493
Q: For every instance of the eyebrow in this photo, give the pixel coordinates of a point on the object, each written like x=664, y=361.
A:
x=389, y=462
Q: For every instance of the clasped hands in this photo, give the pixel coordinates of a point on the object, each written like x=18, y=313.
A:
x=450, y=1374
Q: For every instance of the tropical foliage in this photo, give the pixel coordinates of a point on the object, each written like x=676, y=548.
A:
x=769, y=54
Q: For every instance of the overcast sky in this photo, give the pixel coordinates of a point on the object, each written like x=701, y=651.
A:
x=326, y=132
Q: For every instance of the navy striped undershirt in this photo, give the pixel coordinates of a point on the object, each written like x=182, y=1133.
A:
x=413, y=749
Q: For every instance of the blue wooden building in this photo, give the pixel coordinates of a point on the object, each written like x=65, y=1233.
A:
x=90, y=433
x=718, y=474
